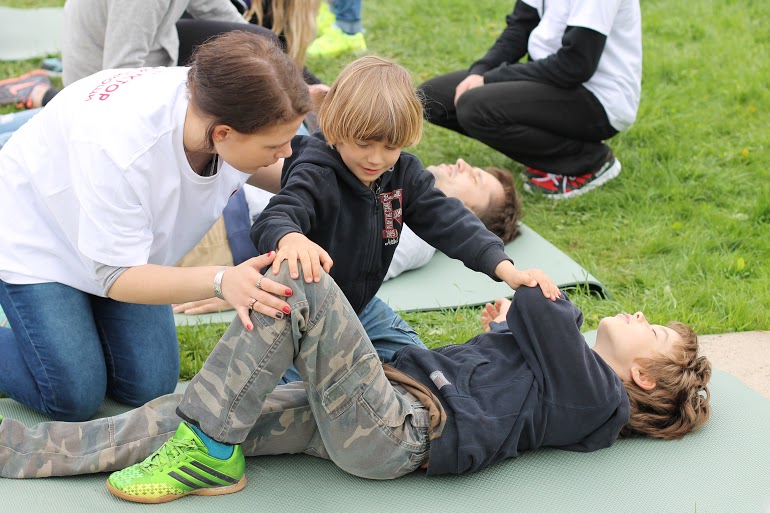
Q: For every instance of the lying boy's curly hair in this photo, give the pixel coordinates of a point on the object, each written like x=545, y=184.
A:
x=679, y=403
x=502, y=217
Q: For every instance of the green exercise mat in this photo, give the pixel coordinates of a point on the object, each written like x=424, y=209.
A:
x=29, y=33
x=723, y=468
x=447, y=283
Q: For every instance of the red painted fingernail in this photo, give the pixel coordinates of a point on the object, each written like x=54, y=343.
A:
x=249, y=327
x=287, y=309
x=288, y=292
x=271, y=253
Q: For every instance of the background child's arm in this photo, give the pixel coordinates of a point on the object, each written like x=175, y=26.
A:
x=295, y=247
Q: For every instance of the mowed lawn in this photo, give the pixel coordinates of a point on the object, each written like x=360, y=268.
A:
x=684, y=232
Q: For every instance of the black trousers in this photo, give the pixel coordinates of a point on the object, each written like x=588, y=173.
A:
x=541, y=126
x=194, y=32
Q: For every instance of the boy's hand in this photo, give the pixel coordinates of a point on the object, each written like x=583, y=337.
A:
x=495, y=313
x=210, y=305
x=515, y=278
x=295, y=247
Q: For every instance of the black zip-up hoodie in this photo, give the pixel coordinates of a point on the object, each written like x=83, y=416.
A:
x=360, y=227
x=531, y=382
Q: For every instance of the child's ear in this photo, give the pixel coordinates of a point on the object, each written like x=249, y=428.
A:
x=642, y=378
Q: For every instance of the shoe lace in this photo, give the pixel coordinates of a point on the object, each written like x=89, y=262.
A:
x=549, y=177
x=169, y=453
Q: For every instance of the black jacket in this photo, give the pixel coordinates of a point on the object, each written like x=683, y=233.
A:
x=572, y=65
x=531, y=382
x=360, y=227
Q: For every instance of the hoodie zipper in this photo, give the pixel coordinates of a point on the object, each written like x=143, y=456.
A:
x=375, y=234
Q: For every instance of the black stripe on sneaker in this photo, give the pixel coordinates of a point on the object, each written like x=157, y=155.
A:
x=215, y=473
x=199, y=477
x=184, y=481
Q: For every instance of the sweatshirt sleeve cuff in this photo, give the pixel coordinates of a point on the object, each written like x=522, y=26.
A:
x=490, y=258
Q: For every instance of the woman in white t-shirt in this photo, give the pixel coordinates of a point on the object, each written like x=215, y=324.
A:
x=580, y=86
x=105, y=190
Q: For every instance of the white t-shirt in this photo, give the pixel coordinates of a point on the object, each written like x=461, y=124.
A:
x=411, y=253
x=618, y=78
x=100, y=177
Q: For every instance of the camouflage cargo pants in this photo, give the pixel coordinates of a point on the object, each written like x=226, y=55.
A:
x=346, y=410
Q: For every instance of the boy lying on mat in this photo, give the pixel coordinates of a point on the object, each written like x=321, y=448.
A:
x=529, y=381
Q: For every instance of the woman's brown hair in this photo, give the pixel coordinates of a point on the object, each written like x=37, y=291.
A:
x=247, y=82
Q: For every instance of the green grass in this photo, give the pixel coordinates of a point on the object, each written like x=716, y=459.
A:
x=683, y=232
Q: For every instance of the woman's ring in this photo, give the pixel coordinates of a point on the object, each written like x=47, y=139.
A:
x=259, y=282
x=252, y=302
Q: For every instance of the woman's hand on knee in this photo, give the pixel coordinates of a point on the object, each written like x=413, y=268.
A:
x=296, y=247
x=246, y=289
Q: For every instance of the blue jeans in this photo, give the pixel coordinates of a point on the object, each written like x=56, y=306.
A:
x=11, y=122
x=387, y=331
x=66, y=349
x=348, y=15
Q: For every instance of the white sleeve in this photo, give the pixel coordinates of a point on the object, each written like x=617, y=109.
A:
x=257, y=199
x=411, y=253
x=597, y=15
x=113, y=227
x=216, y=10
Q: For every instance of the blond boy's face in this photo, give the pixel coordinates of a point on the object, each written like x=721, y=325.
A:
x=368, y=160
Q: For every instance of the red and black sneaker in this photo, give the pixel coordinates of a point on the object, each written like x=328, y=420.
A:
x=560, y=186
x=16, y=90
x=530, y=172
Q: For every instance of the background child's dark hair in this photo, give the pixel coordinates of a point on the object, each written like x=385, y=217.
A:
x=247, y=82
x=679, y=403
x=502, y=217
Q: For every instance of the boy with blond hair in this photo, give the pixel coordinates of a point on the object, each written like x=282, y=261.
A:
x=348, y=190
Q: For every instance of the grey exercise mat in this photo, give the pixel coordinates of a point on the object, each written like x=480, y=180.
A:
x=723, y=468
x=29, y=33
x=447, y=283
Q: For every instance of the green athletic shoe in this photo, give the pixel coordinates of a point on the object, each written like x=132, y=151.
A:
x=335, y=42
x=180, y=467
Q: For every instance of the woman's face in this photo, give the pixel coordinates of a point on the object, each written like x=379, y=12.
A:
x=250, y=152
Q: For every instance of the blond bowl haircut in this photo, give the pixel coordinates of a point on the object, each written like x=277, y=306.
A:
x=372, y=100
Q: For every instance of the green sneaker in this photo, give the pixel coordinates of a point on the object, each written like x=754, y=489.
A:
x=325, y=19
x=180, y=467
x=335, y=42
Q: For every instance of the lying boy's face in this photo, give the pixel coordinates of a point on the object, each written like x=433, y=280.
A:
x=476, y=188
x=368, y=160
x=625, y=338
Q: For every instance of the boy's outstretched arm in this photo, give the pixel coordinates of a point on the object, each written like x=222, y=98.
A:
x=515, y=278
x=294, y=247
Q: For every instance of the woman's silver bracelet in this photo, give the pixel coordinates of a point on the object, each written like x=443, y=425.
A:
x=218, y=283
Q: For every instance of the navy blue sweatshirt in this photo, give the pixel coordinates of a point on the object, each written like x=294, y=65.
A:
x=360, y=227
x=531, y=382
